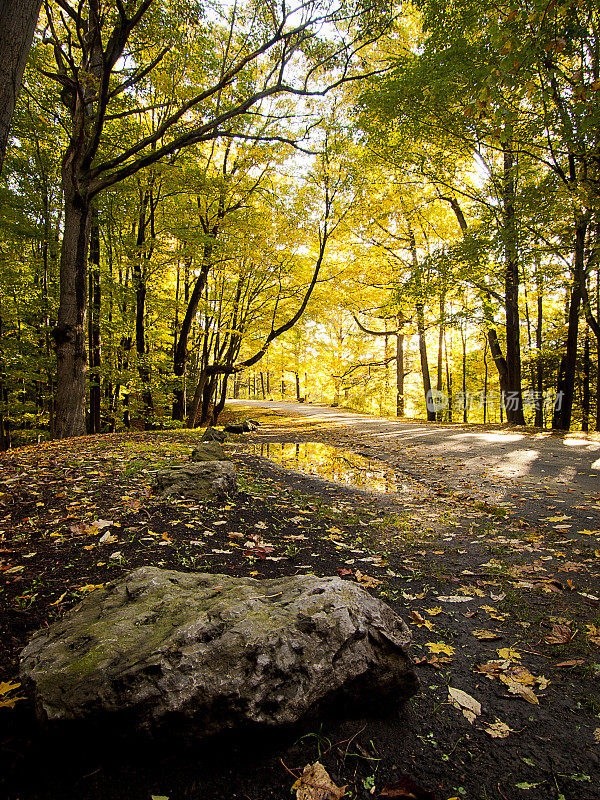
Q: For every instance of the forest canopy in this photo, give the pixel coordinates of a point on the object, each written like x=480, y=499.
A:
x=393, y=207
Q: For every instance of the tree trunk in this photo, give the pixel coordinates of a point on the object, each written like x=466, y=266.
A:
x=69, y=333
x=399, y=374
x=539, y=389
x=464, y=376
x=513, y=397
x=94, y=324
x=17, y=25
x=565, y=389
x=585, y=400
x=424, y=360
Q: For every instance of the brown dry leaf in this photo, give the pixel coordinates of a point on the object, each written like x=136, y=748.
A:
x=366, y=580
x=486, y=636
x=493, y=669
x=470, y=707
x=573, y=662
x=593, y=633
x=499, y=730
x=420, y=621
x=406, y=787
x=560, y=634
x=315, y=784
x=515, y=687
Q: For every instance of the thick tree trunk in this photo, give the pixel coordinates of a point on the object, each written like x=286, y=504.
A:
x=70, y=331
x=17, y=25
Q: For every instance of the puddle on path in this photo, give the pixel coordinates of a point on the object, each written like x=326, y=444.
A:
x=331, y=463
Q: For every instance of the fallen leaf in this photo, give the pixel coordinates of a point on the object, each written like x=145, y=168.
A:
x=419, y=620
x=508, y=654
x=499, y=730
x=366, y=580
x=406, y=787
x=597, y=735
x=574, y=662
x=315, y=784
x=470, y=707
x=486, y=636
x=6, y=687
x=455, y=599
x=434, y=611
x=593, y=632
x=560, y=634
x=440, y=647
x=515, y=687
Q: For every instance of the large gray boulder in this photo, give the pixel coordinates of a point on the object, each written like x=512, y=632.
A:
x=198, y=480
x=214, y=652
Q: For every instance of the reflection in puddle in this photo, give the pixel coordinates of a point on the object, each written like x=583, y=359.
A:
x=330, y=463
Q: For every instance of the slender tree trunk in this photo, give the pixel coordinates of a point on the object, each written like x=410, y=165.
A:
x=69, y=333
x=585, y=401
x=424, y=360
x=17, y=25
x=514, y=399
x=448, y=381
x=565, y=388
x=464, y=376
x=95, y=299
x=399, y=374
x=539, y=388
x=485, y=381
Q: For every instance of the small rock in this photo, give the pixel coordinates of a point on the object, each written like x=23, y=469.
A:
x=213, y=435
x=204, y=480
x=247, y=426
x=208, y=451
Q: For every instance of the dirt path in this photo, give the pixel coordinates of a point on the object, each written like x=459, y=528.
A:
x=535, y=475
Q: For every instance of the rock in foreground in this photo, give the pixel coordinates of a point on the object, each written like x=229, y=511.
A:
x=199, y=480
x=214, y=652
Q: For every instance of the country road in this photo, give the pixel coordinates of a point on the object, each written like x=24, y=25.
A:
x=539, y=471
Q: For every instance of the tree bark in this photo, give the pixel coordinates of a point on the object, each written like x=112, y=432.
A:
x=565, y=389
x=17, y=25
x=513, y=396
x=94, y=324
x=399, y=374
x=424, y=360
x=71, y=356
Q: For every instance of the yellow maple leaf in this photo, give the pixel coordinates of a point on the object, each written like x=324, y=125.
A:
x=440, y=647
x=6, y=687
x=434, y=611
x=508, y=654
